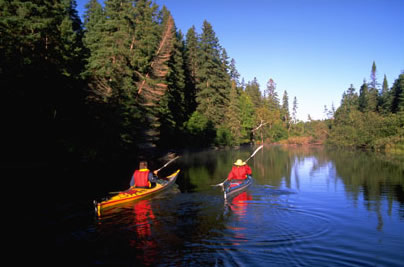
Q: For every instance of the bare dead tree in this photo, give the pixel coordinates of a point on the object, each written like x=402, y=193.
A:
x=152, y=86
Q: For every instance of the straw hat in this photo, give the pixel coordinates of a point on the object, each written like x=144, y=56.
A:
x=239, y=162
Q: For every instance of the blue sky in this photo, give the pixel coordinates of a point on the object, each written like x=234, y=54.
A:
x=313, y=49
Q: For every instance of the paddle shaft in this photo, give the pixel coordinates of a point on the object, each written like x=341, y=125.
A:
x=165, y=165
x=253, y=154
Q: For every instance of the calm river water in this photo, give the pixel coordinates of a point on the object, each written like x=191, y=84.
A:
x=306, y=207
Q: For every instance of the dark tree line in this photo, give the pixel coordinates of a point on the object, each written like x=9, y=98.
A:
x=126, y=80
x=123, y=80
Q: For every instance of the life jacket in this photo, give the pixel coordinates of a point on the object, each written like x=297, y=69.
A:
x=142, y=178
x=239, y=172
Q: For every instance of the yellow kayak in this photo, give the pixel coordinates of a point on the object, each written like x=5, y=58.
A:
x=134, y=193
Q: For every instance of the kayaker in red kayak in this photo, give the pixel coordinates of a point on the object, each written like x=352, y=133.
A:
x=143, y=177
x=239, y=171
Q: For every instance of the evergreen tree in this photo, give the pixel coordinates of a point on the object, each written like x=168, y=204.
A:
x=253, y=91
x=373, y=78
x=285, y=108
x=213, y=85
x=397, y=94
x=234, y=75
x=385, y=98
x=191, y=67
x=247, y=116
x=373, y=88
x=130, y=44
x=40, y=58
x=110, y=69
x=350, y=100
x=233, y=119
x=294, y=110
x=271, y=95
x=363, y=100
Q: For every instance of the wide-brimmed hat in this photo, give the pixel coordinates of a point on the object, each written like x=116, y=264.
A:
x=239, y=162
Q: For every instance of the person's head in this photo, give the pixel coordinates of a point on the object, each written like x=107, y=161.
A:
x=239, y=163
x=143, y=164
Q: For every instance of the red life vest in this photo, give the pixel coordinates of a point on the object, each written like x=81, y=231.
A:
x=142, y=178
x=239, y=172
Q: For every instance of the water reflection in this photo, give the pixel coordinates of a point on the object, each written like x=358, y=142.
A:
x=309, y=206
x=238, y=205
x=143, y=220
x=365, y=177
x=131, y=228
x=236, y=208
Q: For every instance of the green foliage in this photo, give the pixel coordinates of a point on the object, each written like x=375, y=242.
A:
x=397, y=95
x=200, y=129
x=371, y=120
x=247, y=114
x=252, y=89
x=224, y=137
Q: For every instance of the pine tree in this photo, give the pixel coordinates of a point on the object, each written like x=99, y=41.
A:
x=191, y=67
x=373, y=77
x=130, y=44
x=233, y=120
x=108, y=39
x=285, y=108
x=397, y=94
x=385, y=98
x=350, y=100
x=253, y=91
x=271, y=95
x=294, y=110
x=247, y=116
x=213, y=85
x=364, y=97
x=234, y=74
x=373, y=96
x=40, y=61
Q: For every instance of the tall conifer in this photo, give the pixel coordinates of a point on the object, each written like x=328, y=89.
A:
x=213, y=86
x=253, y=90
x=191, y=67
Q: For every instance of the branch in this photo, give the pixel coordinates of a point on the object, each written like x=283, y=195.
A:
x=259, y=126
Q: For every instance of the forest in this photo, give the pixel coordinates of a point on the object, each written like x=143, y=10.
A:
x=126, y=80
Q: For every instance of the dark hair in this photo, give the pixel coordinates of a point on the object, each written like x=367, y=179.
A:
x=143, y=165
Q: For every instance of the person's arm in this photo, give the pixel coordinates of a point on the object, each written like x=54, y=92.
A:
x=132, y=181
x=248, y=170
x=231, y=174
x=152, y=177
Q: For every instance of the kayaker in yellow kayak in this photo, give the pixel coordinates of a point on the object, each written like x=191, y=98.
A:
x=143, y=177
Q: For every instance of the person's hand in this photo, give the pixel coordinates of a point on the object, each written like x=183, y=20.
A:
x=155, y=173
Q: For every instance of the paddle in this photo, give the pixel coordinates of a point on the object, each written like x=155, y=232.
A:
x=252, y=155
x=156, y=171
x=165, y=165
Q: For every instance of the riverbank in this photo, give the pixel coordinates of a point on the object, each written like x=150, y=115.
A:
x=300, y=140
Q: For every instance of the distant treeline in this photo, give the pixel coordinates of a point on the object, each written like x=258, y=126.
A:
x=372, y=119
x=127, y=80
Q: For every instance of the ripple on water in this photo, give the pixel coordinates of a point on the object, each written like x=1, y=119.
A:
x=273, y=227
